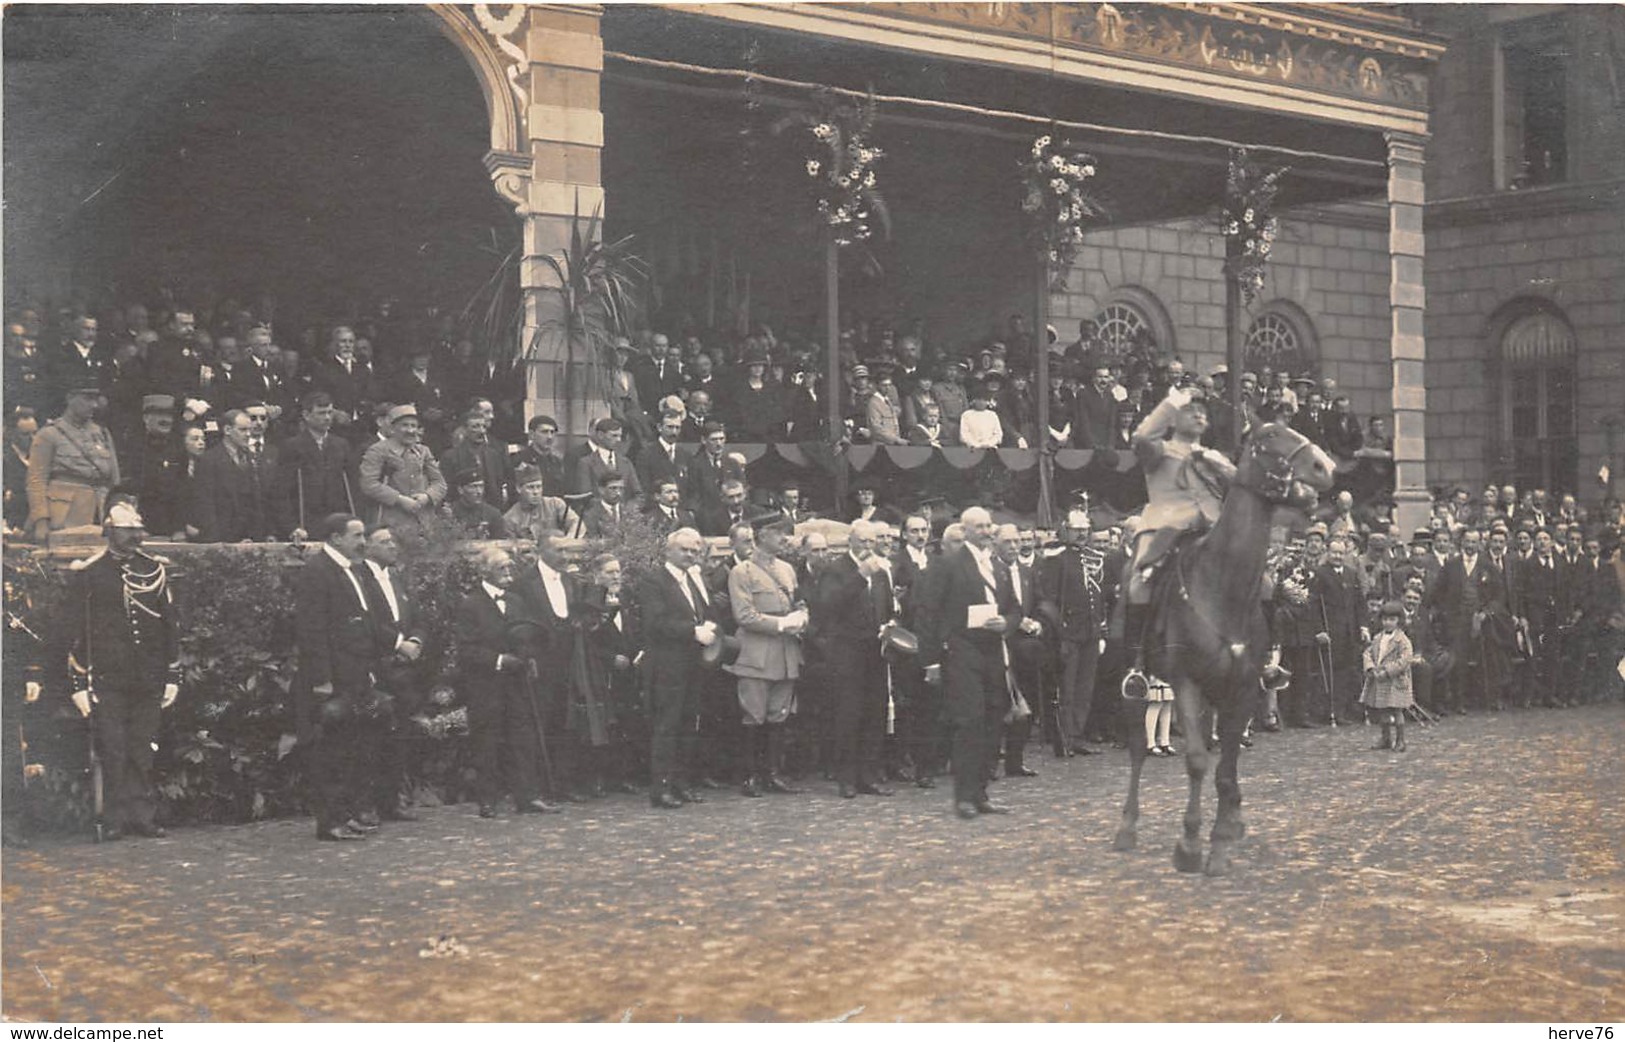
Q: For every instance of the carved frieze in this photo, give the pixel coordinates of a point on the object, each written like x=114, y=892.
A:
x=1305, y=53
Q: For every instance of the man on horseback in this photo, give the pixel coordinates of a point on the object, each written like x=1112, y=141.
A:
x=1185, y=484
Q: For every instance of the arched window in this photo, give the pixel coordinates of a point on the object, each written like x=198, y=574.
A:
x=1281, y=338
x=1121, y=327
x=1534, y=355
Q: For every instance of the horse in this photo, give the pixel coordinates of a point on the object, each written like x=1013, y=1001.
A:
x=1209, y=637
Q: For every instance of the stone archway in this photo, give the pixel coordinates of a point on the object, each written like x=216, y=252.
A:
x=540, y=68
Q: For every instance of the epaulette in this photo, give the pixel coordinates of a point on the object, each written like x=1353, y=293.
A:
x=85, y=562
x=1054, y=551
x=158, y=558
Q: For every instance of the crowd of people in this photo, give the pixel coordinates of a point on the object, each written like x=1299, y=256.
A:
x=927, y=645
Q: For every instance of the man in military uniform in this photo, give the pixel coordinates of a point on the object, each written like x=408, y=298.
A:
x=399, y=475
x=1185, y=484
x=72, y=466
x=125, y=664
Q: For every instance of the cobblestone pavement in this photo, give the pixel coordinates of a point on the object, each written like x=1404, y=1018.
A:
x=1477, y=877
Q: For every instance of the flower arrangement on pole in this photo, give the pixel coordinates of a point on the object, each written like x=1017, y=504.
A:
x=1057, y=202
x=1248, y=220
x=840, y=169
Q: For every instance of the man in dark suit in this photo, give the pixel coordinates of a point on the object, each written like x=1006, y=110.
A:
x=238, y=491
x=545, y=595
x=1073, y=606
x=1094, y=411
x=1540, y=595
x=401, y=640
x=318, y=467
x=334, y=695
x=965, y=651
x=720, y=519
x=348, y=378
x=1335, y=591
x=663, y=457
x=539, y=452
x=604, y=455
x=493, y=639
x=477, y=453
x=667, y=508
x=419, y=384
x=1027, y=644
x=707, y=469
x=262, y=381
x=677, y=622
x=603, y=515
x=850, y=603
x=1469, y=592
x=919, y=703
x=77, y=362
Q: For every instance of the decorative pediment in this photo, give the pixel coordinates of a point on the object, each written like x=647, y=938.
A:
x=1309, y=50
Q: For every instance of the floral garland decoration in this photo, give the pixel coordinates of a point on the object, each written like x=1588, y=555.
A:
x=840, y=168
x=1248, y=220
x=1057, y=202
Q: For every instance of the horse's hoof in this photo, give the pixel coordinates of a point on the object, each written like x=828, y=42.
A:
x=1218, y=863
x=1186, y=860
x=1125, y=840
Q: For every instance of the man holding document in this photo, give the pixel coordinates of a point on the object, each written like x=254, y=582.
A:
x=965, y=650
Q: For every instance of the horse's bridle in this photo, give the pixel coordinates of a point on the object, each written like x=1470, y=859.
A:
x=1276, y=482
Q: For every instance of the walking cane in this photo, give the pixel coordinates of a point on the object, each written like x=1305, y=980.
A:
x=347, y=497
x=536, y=718
x=1324, y=651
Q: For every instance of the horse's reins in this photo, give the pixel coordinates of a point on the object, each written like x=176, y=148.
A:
x=1276, y=487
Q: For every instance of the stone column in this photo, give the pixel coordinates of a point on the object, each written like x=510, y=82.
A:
x=554, y=64
x=1407, y=302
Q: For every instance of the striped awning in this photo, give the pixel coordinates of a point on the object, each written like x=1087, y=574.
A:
x=1537, y=338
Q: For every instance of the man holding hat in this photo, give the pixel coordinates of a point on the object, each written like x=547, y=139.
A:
x=72, y=466
x=400, y=479
x=125, y=662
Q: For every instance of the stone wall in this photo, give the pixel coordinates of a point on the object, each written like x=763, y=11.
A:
x=1558, y=246
x=1329, y=270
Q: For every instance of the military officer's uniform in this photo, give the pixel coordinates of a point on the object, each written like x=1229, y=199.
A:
x=125, y=654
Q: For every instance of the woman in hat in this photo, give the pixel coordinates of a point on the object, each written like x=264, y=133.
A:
x=72, y=466
x=758, y=402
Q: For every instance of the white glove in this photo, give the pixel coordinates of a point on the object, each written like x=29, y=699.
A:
x=196, y=406
x=171, y=692
x=81, y=702
x=31, y=691
x=705, y=635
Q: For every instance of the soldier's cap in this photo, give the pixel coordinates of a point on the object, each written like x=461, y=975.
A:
x=525, y=474
x=123, y=514
x=158, y=403
x=1318, y=528
x=401, y=412
x=465, y=476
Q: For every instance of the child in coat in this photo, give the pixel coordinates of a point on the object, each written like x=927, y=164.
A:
x=1387, y=688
